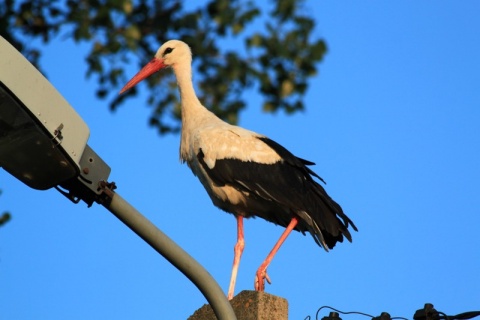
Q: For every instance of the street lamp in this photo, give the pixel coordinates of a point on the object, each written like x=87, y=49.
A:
x=43, y=143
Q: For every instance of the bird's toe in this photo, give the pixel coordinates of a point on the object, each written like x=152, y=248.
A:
x=260, y=278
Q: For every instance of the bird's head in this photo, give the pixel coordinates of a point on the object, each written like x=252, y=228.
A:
x=170, y=54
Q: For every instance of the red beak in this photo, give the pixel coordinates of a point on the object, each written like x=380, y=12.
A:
x=150, y=68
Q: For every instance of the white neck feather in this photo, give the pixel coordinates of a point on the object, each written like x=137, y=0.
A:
x=183, y=73
x=193, y=112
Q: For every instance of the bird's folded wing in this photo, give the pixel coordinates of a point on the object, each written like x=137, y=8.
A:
x=285, y=181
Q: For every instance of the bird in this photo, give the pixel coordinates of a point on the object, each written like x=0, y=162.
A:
x=246, y=173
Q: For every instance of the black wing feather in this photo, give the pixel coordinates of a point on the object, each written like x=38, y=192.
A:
x=277, y=192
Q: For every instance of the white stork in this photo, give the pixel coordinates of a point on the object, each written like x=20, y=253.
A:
x=246, y=173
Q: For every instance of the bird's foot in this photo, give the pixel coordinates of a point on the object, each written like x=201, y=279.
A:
x=260, y=278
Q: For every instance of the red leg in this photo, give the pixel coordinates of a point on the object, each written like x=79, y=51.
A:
x=261, y=274
x=238, y=250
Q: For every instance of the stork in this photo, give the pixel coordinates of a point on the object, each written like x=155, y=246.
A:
x=246, y=173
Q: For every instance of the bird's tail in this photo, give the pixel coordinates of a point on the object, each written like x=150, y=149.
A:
x=325, y=219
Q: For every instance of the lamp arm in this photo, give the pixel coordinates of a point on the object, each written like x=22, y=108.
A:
x=170, y=251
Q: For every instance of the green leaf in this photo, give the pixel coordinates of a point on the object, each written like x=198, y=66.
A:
x=240, y=48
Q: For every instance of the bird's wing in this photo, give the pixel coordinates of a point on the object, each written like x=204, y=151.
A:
x=225, y=141
x=287, y=182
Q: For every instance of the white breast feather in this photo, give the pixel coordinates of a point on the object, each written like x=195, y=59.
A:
x=223, y=193
x=219, y=140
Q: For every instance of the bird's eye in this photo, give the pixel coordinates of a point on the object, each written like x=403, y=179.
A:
x=167, y=51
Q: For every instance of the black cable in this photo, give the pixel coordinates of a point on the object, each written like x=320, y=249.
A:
x=441, y=315
x=444, y=316
x=342, y=312
x=465, y=315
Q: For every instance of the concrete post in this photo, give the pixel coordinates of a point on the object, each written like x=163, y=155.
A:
x=250, y=305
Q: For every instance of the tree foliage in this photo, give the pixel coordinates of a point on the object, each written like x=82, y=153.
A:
x=5, y=216
x=237, y=45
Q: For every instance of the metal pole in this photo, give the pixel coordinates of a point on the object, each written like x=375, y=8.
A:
x=173, y=253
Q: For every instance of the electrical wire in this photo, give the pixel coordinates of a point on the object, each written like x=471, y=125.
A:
x=440, y=316
x=342, y=312
x=463, y=316
x=350, y=312
x=444, y=315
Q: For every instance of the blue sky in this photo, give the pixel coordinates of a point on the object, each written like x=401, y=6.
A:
x=393, y=123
